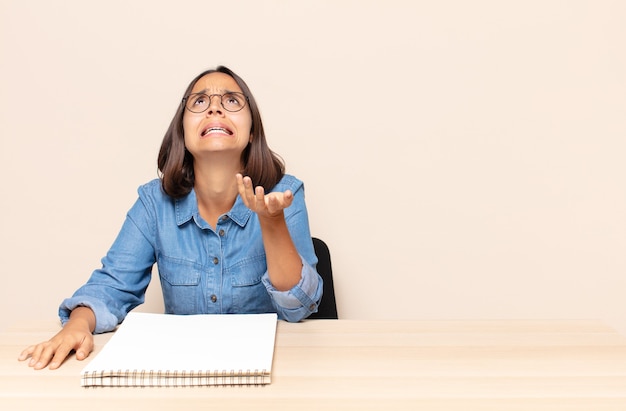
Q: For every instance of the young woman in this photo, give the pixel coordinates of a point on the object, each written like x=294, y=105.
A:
x=227, y=228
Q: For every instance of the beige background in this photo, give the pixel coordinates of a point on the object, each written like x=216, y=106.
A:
x=463, y=159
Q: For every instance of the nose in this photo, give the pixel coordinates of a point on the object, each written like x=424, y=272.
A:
x=215, y=104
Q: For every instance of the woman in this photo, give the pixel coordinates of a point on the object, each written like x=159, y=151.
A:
x=221, y=244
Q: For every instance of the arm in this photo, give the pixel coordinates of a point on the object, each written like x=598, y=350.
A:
x=120, y=284
x=103, y=302
x=284, y=264
x=291, y=279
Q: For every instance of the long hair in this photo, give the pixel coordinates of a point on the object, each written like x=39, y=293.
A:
x=175, y=163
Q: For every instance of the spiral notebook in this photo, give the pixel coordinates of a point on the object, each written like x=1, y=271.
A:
x=164, y=350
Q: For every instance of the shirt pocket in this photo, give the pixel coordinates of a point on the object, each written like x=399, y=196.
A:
x=249, y=293
x=180, y=282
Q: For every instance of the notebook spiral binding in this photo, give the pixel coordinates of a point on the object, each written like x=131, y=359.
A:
x=168, y=378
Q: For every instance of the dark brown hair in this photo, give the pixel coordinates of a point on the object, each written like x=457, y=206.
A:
x=175, y=163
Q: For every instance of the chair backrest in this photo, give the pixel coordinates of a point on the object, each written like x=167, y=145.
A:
x=327, y=308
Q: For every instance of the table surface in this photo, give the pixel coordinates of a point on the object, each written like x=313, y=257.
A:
x=368, y=365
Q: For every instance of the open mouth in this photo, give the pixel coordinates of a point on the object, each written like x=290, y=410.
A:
x=220, y=130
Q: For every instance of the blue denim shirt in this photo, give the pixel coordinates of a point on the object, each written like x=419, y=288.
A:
x=202, y=269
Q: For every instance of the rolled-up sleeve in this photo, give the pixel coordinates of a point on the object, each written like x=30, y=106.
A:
x=300, y=301
x=105, y=320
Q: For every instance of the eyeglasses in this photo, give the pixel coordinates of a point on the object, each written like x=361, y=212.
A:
x=200, y=102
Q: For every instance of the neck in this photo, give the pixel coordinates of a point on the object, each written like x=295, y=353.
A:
x=216, y=189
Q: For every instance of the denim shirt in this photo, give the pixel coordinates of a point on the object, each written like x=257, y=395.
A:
x=203, y=270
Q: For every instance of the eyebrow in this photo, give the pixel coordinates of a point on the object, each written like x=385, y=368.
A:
x=222, y=91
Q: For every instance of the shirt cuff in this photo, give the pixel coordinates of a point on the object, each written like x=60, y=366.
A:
x=105, y=320
x=306, y=293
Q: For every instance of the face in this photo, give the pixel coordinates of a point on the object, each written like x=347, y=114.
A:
x=216, y=130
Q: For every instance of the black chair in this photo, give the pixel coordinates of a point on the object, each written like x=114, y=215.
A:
x=327, y=308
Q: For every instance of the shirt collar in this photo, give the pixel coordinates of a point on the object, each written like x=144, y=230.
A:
x=187, y=208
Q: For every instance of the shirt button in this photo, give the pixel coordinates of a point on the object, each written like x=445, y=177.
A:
x=311, y=307
x=222, y=232
x=224, y=217
x=214, y=298
x=216, y=260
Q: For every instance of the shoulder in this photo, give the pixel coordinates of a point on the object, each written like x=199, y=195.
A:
x=151, y=189
x=289, y=182
x=153, y=201
x=152, y=192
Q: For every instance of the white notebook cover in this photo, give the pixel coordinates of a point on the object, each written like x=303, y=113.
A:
x=162, y=349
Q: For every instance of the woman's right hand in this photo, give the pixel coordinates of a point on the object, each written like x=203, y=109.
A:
x=76, y=335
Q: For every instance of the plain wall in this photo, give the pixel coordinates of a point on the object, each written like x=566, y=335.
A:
x=462, y=159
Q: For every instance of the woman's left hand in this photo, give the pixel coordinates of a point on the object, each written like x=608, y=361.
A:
x=265, y=205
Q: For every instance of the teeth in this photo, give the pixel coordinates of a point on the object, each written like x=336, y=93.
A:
x=214, y=129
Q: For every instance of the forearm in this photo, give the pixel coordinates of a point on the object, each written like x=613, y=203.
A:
x=284, y=264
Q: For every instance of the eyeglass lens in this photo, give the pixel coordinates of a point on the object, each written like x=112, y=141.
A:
x=200, y=102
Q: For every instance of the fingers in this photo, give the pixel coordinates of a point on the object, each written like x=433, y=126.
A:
x=244, y=186
x=240, y=186
x=288, y=198
x=82, y=351
x=85, y=348
x=53, y=353
x=276, y=202
x=59, y=356
x=26, y=353
x=40, y=355
x=255, y=198
x=259, y=198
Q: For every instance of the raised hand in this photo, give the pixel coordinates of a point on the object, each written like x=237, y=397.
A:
x=265, y=205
